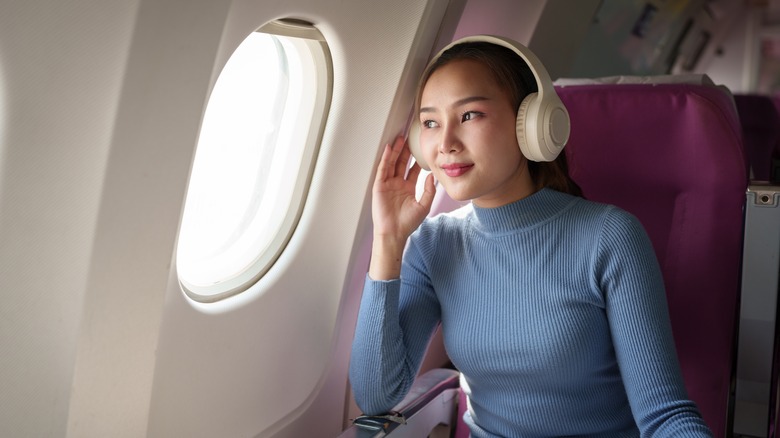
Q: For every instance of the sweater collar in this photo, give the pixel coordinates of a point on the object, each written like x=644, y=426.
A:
x=524, y=213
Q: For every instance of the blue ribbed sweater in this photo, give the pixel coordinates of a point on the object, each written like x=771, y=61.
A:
x=552, y=308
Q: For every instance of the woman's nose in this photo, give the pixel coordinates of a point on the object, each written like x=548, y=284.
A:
x=449, y=142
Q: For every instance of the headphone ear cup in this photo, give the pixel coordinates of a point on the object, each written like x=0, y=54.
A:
x=542, y=127
x=413, y=138
x=526, y=128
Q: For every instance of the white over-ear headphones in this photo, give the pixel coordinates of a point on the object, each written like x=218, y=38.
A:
x=542, y=120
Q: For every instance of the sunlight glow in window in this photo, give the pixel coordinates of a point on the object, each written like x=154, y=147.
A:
x=252, y=163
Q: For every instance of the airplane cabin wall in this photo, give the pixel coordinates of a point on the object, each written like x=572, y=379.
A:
x=560, y=33
x=553, y=29
x=732, y=59
x=511, y=19
x=170, y=62
x=62, y=68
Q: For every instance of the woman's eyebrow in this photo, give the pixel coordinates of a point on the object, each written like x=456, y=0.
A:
x=460, y=102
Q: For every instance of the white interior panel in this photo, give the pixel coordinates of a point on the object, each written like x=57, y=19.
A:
x=61, y=71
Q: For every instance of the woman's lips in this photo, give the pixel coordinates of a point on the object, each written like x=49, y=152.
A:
x=456, y=169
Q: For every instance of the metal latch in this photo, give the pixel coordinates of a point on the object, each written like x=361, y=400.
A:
x=765, y=195
x=379, y=422
x=765, y=198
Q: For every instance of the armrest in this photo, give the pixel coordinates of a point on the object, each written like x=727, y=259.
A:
x=432, y=400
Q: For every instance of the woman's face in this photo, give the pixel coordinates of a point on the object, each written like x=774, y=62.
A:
x=468, y=136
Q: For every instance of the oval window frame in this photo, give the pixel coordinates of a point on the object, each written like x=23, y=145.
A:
x=310, y=44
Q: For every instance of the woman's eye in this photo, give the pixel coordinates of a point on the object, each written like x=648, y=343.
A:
x=428, y=124
x=469, y=115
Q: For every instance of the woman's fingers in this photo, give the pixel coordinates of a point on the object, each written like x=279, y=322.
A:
x=395, y=209
x=402, y=154
x=394, y=161
x=426, y=200
x=386, y=166
x=389, y=163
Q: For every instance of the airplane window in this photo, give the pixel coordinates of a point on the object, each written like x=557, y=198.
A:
x=254, y=159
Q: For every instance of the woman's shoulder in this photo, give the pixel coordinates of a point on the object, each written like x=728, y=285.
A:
x=611, y=222
x=616, y=226
x=602, y=210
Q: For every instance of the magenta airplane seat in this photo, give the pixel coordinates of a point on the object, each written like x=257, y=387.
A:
x=672, y=155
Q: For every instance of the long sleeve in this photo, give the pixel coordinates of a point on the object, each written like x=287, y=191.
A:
x=395, y=324
x=552, y=308
x=628, y=276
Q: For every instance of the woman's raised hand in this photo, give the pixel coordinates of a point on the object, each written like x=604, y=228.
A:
x=395, y=209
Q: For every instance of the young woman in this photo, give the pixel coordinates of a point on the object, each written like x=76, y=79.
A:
x=552, y=307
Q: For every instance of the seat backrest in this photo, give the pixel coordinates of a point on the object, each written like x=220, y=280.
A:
x=672, y=155
x=760, y=131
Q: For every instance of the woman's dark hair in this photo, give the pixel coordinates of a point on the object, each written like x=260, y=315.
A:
x=512, y=74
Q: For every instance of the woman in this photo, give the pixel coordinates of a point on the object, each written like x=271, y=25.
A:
x=552, y=307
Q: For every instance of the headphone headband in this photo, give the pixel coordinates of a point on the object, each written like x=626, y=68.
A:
x=542, y=120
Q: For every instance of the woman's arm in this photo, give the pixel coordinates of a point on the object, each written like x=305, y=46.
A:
x=631, y=281
x=395, y=325
x=388, y=346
